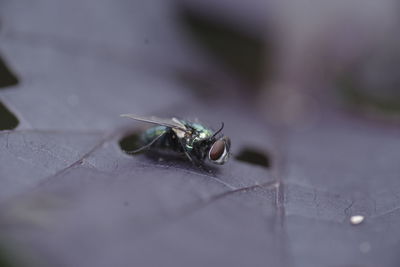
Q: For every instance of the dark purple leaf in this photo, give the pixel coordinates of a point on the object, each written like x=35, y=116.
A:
x=71, y=197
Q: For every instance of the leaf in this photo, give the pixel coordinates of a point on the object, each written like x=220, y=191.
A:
x=69, y=196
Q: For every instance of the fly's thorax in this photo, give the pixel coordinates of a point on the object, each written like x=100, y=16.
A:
x=201, y=131
x=195, y=134
x=179, y=133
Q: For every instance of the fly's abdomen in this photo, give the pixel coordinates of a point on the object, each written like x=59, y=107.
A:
x=168, y=139
x=152, y=133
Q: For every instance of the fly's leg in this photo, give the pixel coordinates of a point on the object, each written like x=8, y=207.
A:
x=186, y=153
x=196, y=163
x=190, y=158
x=184, y=150
x=147, y=146
x=202, y=167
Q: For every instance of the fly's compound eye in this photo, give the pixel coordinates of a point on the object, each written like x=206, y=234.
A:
x=219, y=151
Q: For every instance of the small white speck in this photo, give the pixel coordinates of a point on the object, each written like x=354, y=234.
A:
x=356, y=219
x=365, y=247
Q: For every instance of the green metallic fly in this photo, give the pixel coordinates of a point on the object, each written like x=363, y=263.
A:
x=194, y=140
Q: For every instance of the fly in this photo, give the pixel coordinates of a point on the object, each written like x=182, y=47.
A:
x=197, y=142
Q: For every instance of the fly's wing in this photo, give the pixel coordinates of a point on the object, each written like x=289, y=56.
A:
x=172, y=123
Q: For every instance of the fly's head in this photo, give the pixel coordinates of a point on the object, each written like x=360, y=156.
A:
x=219, y=151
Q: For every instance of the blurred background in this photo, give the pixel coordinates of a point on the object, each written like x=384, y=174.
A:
x=308, y=88
x=284, y=59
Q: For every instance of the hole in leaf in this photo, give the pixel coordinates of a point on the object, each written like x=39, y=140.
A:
x=7, y=120
x=254, y=156
x=130, y=143
x=7, y=78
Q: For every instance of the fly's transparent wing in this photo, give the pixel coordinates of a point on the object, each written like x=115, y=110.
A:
x=173, y=123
